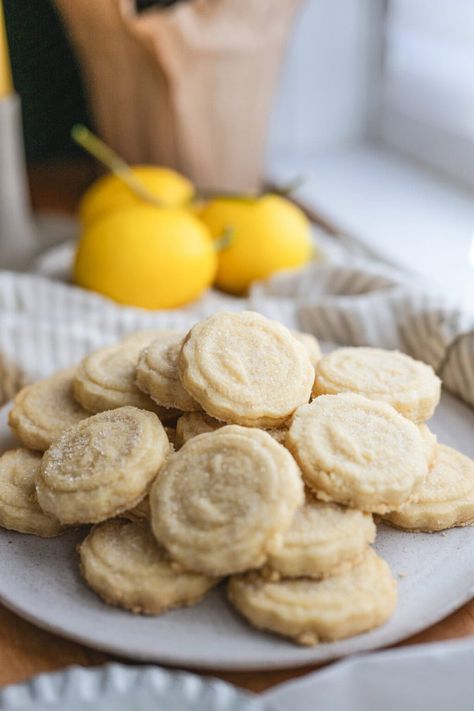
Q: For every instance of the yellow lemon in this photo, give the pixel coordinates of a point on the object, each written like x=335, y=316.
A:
x=269, y=233
x=110, y=193
x=155, y=258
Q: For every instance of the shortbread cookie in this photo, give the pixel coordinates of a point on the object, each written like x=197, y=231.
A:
x=43, y=410
x=123, y=563
x=445, y=498
x=244, y=368
x=311, y=344
x=106, y=379
x=12, y=379
x=225, y=499
x=312, y=611
x=192, y=424
x=140, y=512
x=19, y=508
x=157, y=374
x=279, y=434
x=410, y=386
x=102, y=466
x=143, y=338
x=357, y=451
x=430, y=443
x=172, y=436
x=323, y=539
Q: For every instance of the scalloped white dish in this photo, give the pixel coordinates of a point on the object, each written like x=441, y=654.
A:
x=39, y=579
x=123, y=688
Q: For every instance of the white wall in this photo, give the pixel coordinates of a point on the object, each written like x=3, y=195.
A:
x=329, y=79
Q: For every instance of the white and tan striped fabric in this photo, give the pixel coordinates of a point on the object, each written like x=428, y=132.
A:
x=365, y=304
x=46, y=325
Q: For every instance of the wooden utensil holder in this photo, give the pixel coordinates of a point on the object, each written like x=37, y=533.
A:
x=189, y=86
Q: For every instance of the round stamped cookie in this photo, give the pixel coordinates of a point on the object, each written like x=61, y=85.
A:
x=143, y=338
x=323, y=539
x=123, y=563
x=192, y=424
x=102, y=466
x=444, y=499
x=157, y=374
x=172, y=436
x=357, y=451
x=140, y=512
x=106, y=379
x=279, y=434
x=311, y=344
x=312, y=611
x=410, y=386
x=225, y=499
x=430, y=443
x=43, y=410
x=19, y=508
x=245, y=369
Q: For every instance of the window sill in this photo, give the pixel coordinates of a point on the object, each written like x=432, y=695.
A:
x=409, y=216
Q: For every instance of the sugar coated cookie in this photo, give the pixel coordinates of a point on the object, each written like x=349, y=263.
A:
x=244, y=368
x=106, y=379
x=445, y=498
x=223, y=500
x=279, y=434
x=140, y=512
x=357, y=451
x=312, y=611
x=123, y=563
x=102, y=466
x=409, y=385
x=143, y=338
x=430, y=443
x=192, y=424
x=311, y=344
x=19, y=508
x=322, y=540
x=43, y=410
x=172, y=436
x=157, y=374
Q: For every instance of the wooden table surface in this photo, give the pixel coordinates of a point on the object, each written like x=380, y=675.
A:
x=26, y=650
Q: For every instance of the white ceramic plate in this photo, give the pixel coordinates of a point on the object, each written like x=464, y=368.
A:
x=39, y=579
x=123, y=688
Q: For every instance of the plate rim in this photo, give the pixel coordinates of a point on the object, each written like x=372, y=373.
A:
x=408, y=630
x=291, y=661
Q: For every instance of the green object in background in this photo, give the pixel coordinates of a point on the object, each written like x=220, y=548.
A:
x=46, y=77
x=113, y=162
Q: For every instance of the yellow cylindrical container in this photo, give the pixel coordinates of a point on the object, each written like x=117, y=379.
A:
x=6, y=86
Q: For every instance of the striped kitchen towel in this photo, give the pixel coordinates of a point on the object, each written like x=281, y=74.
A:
x=361, y=303
x=47, y=324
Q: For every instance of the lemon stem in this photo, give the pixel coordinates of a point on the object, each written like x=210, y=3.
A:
x=290, y=187
x=105, y=155
x=225, y=240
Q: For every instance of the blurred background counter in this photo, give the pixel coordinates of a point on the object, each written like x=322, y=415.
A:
x=374, y=104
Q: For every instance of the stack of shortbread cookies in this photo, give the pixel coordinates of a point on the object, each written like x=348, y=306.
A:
x=236, y=451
